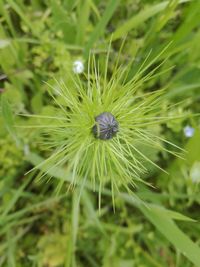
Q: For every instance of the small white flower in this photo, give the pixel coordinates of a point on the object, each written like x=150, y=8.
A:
x=78, y=67
x=188, y=131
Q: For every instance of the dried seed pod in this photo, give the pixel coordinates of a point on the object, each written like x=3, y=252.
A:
x=106, y=126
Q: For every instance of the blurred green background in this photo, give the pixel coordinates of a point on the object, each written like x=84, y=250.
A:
x=40, y=40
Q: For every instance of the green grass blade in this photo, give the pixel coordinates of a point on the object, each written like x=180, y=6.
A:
x=15, y=198
x=144, y=15
x=75, y=224
x=23, y=16
x=84, y=12
x=100, y=27
x=183, y=89
x=173, y=233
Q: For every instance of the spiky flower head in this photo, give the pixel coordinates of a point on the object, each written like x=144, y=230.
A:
x=102, y=123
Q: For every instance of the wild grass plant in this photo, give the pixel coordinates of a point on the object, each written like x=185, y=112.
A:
x=99, y=136
x=77, y=139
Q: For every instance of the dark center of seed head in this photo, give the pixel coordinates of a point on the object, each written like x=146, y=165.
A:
x=106, y=126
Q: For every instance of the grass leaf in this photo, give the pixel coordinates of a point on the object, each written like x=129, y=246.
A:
x=100, y=27
x=144, y=15
x=173, y=233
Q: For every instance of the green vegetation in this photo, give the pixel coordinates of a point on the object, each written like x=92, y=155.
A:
x=70, y=199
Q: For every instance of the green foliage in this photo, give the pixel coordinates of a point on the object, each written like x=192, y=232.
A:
x=11, y=158
x=43, y=222
x=53, y=249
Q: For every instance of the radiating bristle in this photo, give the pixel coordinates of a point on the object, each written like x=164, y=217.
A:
x=100, y=110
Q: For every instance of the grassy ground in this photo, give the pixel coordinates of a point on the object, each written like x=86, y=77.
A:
x=157, y=226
